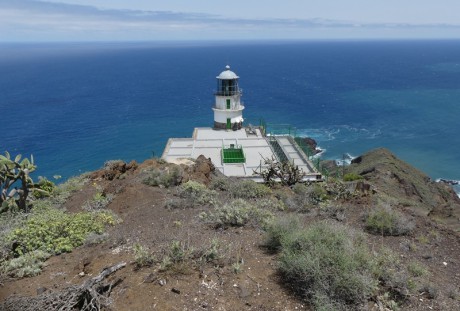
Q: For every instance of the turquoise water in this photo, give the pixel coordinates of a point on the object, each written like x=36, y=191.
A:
x=74, y=106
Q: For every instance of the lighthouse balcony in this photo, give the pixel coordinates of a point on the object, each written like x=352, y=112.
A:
x=238, y=108
x=228, y=92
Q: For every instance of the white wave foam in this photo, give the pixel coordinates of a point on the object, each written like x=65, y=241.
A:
x=345, y=160
x=452, y=182
x=342, y=132
x=321, y=152
x=319, y=134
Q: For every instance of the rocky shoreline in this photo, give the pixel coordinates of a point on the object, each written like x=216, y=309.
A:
x=451, y=182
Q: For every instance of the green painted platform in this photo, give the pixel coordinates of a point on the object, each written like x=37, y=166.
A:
x=233, y=155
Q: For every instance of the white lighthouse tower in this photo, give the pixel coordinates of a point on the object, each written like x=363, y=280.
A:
x=228, y=110
x=236, y=151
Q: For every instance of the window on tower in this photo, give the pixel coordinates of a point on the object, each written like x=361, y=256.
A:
x=227, y=87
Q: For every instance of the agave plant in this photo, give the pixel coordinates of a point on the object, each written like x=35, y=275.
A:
x=15, y=181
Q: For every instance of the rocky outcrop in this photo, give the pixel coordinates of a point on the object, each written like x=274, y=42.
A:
x=395, y=178
x=202, y=170
x=114, y=169
x=310, y=142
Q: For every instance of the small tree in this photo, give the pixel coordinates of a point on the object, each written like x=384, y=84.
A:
x=15, y=181
x=288, y=173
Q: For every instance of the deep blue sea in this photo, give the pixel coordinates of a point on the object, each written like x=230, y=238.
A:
x=74, y=106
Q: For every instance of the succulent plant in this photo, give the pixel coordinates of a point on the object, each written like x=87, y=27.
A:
x=15, y=181
x=287, y=172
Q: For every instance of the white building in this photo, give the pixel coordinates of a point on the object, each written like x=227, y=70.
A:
x=236, y=150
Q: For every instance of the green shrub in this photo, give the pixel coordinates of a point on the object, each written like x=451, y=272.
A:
x=248, y=189
x=142, y=256
x=279, y=231
x=238, y=213
x=324, y=302
x=300, y=189
x=192, y=189
x=178, y=257
x=221, y=183
x=352, y=177
x=212, y=252
x=317, y=194
x=337, y=190
x=99, y=201
x=416, y=269
x=8, y=222
x=95, y=238
x=270, y=204
x=305, y=197
x=55, y=231
x=29, y=264
x=297, y=203
x=46, y=185
x=386, y=221
x=168, y=177
x=387, y=301
x=393, y=274
x=237, y=266
x=197, y=193
x=329, y=264
x=179, y=251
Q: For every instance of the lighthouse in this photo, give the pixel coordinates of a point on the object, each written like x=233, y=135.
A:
x=228, y=109
x=235, y=150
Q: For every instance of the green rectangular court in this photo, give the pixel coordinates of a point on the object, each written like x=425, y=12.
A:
x=233, y=155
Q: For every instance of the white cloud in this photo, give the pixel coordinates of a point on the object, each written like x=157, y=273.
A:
x=40, y=20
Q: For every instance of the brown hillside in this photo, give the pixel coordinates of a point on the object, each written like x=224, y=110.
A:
x=192, y=261
x=396, y=180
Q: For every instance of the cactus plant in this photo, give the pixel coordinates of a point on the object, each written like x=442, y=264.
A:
x=287, y=173
x=15, y=181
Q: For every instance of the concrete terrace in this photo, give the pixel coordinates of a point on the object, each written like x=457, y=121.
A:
x=294, y=153
x=209, y=142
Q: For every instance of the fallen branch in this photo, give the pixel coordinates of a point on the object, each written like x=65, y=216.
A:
x=87, y=297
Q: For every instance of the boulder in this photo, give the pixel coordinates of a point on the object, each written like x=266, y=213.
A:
x=114, y=169
x=201, y=171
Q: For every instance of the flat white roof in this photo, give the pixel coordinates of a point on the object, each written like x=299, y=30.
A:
x=209, y=142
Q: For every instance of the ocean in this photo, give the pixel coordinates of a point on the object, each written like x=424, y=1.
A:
x=76, y=105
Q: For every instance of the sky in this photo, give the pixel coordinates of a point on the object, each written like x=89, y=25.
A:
x=147, y=20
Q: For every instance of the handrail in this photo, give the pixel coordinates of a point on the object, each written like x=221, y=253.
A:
x=229, y=92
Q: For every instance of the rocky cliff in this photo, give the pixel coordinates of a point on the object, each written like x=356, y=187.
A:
x=402, y=184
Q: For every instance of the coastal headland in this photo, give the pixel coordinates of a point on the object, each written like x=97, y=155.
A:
x=187, y=237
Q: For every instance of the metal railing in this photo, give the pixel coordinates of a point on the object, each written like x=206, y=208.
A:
x=228, y=92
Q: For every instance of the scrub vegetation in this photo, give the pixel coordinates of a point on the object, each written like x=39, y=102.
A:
x=327, y=263
x=386, y=221
x=30, y=238
x=199, y=240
